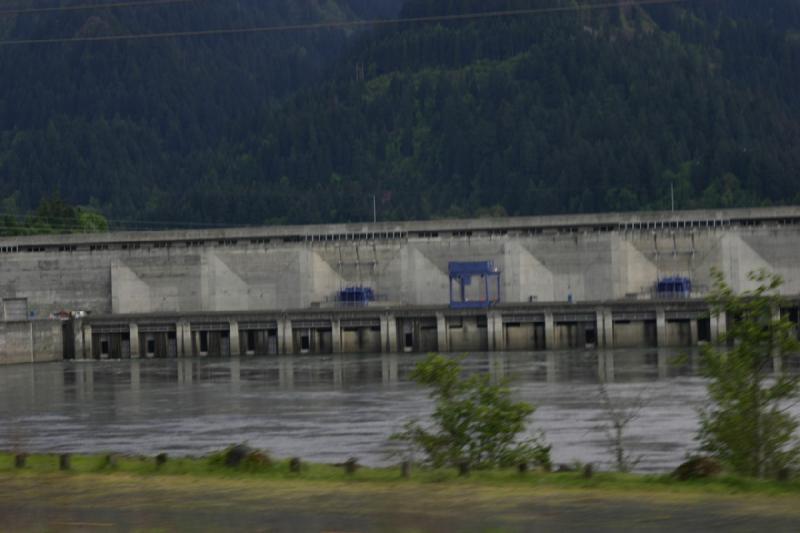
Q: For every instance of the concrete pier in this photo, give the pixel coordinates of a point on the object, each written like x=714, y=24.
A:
x=600, y=329
x=285, y=337
x=661, y=327
x=549, y=331
x=87, y=342
x=184, y=332
x=134, y=340
x=443, y=344
x=235, y=345
x=718, y=325
x=336, y=335
x=608, y=328
x=495, y=332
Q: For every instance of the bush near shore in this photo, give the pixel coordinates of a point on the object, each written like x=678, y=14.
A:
x=213, y=466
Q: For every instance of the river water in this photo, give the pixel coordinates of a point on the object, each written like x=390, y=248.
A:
x=329, y=408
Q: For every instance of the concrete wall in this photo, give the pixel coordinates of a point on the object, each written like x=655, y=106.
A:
x=361, y=340
x=466, y=334
x=635, y=334
x=52, y=281
x=678, y=333
x=605, y=257
x=520, y=336
x=14, y=309
x=574, y=335
x=30, y=341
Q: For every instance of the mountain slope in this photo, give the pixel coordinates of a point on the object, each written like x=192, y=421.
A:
x=119, y=121
x=580, y=111
x=600, y=110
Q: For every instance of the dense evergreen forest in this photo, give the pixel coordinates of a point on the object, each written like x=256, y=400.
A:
x=577, y=111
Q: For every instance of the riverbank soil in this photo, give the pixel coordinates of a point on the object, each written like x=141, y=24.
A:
x=122, y=502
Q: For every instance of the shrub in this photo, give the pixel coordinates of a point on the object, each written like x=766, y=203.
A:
x=475, y=422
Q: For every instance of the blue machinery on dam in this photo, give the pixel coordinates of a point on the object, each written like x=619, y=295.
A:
x=484, y=293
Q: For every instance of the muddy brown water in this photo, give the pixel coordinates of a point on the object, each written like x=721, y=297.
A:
x=329, y=408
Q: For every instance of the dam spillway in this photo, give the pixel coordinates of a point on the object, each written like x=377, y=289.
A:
x=566, y=281
x=522, y=327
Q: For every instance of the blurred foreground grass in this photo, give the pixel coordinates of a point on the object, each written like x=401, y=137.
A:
x=211, y=467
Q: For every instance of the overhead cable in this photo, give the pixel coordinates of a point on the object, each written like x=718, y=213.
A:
x=340, y=24
x=87, y=7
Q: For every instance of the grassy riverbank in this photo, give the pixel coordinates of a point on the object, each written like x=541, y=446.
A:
x=208, y=468
x=197, y=494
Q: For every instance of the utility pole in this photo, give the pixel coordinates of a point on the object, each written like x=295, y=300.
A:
x=374, y=211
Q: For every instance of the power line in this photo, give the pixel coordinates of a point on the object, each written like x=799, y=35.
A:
x=341, y=24
x=86, y=7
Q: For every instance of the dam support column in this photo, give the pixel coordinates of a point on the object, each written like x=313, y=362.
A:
x=661, y=327
x=87, y=342
x=441, y=333
x=77, y=335
x=183, y=332
x=133, y=333
x=490, y=332
x=718, y=325
x=722, y=325
x=285, y=338
x=495, y=332
x=281, y=333
x=384, y=334
x=336, y=335
x=549, y=331
x=608, y=328
x=598, y=328
x=236, y=345
x=388, y=333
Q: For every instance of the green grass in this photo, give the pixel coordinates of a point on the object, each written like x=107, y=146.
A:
x=209, y=467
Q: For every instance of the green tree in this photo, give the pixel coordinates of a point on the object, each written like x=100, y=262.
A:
x=91, y=221
x=8, y=218
x=746, y=424
x=475, y=421
x=55, y=216
x=52, y=216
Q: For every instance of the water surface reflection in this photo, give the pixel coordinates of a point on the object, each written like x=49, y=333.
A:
x=328, y=408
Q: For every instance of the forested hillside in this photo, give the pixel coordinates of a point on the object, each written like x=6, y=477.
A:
x=120, y=125
x=578, y=111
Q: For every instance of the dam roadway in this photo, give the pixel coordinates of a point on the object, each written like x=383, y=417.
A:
x=565, y=281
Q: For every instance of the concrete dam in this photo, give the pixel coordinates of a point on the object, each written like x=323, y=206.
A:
x=565, y=281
